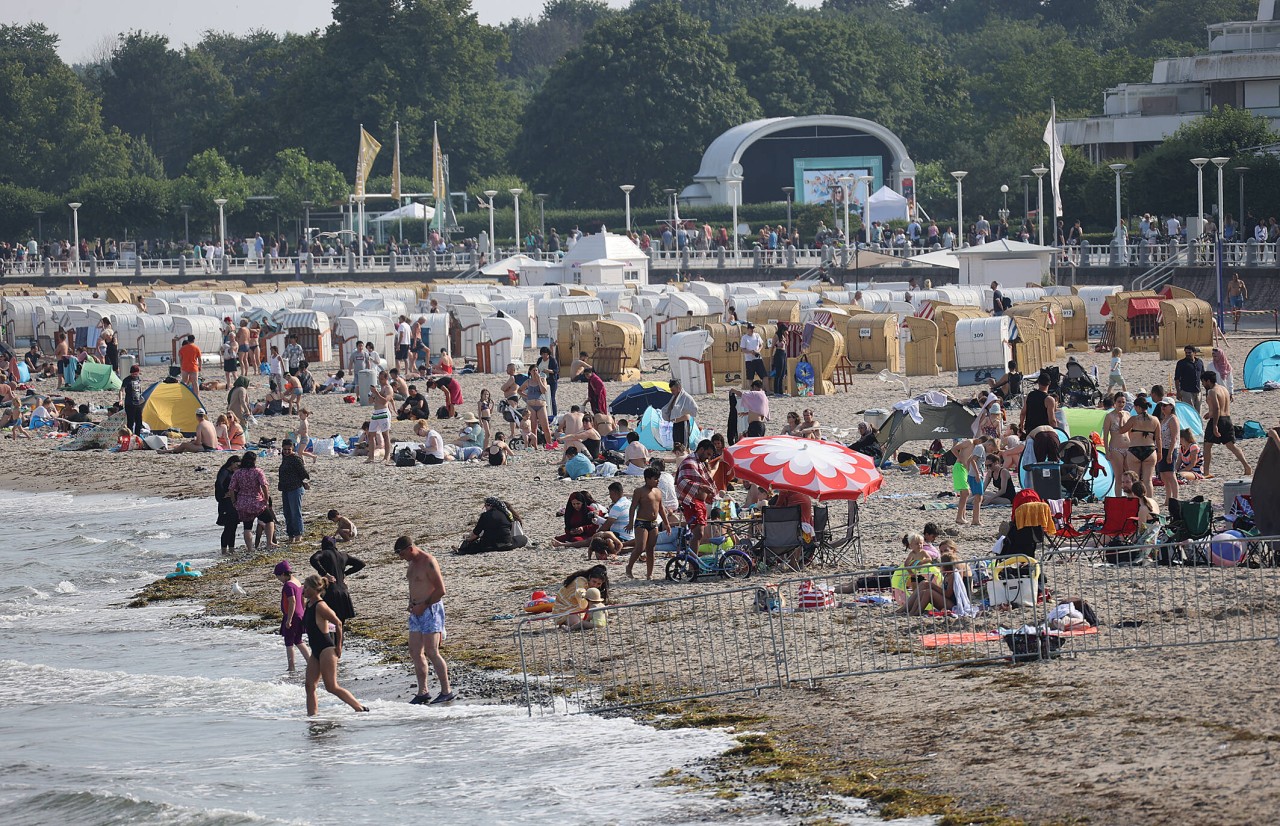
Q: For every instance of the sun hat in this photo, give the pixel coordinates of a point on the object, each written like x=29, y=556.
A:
x=470, y=418
x=283, y=567
x=593, y=595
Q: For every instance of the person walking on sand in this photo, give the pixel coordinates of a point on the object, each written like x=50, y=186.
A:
x=326, y=646
x=426, y=620
x=292, y=609
x=647, y=511
x=1218, y=428
x=294, y=479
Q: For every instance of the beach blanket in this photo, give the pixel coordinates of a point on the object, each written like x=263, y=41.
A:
x=970, y=637
x=101, y=437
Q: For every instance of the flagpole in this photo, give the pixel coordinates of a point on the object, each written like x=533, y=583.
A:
x=396, y=182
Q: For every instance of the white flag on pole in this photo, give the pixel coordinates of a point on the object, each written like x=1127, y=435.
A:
x=1055, y=157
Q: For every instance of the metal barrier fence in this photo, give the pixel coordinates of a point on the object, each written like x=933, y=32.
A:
x=720, y=643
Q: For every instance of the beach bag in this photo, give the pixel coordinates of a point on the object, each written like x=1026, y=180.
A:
x=804, y=377
x=1028, y=644
x=323, y=447
x=404, y=457
x=1015, y=584
x=769, y=599
x=1252, y=430
x=815, y=596
x=442, y=413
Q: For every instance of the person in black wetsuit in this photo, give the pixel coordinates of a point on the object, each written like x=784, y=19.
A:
x=494, y=530
x=336, y=566
x=326, y=645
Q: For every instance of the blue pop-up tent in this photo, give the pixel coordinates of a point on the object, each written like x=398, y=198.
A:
x=1262, y=365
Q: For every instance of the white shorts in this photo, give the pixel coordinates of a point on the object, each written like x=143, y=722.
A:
x=380, y=421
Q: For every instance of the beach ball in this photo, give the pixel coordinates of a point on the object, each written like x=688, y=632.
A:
x=1226, y=549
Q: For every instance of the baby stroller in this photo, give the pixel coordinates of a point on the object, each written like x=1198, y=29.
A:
x=1078, y=388
x=1079, y=468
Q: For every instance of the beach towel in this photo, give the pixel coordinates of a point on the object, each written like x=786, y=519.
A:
x=970, y=637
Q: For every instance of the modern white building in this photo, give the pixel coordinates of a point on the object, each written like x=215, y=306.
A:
x=1241, y=70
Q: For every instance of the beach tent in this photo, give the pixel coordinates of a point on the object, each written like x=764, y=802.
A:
x=1262, y=365
x=170, y=405
x=887, y=205
x=96, y=377
x=101, y=437
x=638, y=397
x=655, y=432
x=951, y=421
x=1081, y=421
x=1101, y=480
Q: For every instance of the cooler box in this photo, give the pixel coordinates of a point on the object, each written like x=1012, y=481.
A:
x=1233, y=488
x=1046, y=479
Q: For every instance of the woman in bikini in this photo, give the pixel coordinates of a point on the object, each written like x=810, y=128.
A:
x=1167, y=464
x=1115, y=444
x=1144, y=440
x=484, y=411
x=534, y=391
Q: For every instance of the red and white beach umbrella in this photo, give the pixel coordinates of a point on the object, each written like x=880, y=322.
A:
x=823, y=470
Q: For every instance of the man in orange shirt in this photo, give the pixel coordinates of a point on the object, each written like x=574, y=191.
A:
x=189, y=360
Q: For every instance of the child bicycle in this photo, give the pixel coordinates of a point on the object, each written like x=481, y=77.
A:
x=728, y=562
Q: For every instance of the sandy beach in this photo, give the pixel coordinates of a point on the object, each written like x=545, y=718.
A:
x=1162, y=736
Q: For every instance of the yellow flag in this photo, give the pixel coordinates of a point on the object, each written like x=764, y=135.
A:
x=395, y=169
x=369, y=149
x=437, y=166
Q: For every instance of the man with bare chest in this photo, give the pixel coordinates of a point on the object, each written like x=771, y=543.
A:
x=647, y=511
x=1218, y=427
x=426, y=619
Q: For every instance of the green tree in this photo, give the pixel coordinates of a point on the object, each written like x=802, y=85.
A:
x=209, y=176
x=173, y=99
x=18, y=207
x=637, y=102
x=416, y=62
x=116, y=206
x=836, y=64
x=1184, y=21
x=537, y=43
x=724, y=15
x=294, y=178
x=51, y=133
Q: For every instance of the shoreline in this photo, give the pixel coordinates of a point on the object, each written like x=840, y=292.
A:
x=1108, y=733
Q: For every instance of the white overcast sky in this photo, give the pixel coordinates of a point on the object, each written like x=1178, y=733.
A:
x=83, y=25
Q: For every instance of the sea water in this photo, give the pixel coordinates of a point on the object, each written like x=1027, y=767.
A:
x=159, y=715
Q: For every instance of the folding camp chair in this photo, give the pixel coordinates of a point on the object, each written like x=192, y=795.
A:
x=1192, y=519
x=780, y=543
x=1068, y=536
x=842, y=545
x=1119, y=521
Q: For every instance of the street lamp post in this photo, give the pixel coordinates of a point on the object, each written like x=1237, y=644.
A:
x=790, y=192
x=426, y=224
x=626, y=190
x=1118, y=168
x=1220, y=162
x=541, y=198
x=1199, y=165
x=493, y=242
x=186, y=223
x=75, y=224
x=671, y=218
x=306, y=224
x=1040, y=172
x=845, y=182
x=866, y=180
x=1004, y=210
x=222, y=225
x=1026, y=197
x=1240, y=170
x=959, y=176
x=515, y=195
x=40, y=225
x=735, y=196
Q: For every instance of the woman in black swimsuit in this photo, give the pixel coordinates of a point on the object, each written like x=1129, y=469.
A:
x=112, y=349
x=1144, y=440
x=326, y=646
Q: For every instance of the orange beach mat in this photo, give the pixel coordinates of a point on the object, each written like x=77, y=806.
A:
x=968, y=637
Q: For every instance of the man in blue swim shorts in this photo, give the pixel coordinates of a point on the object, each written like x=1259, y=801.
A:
x=426, y=619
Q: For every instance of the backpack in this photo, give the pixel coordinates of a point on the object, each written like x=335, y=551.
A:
x=404, y=457
x=1005, y=302
x=1252, y=430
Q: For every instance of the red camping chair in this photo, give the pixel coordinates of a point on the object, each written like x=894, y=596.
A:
x=1068, y=535
x=1119, y=520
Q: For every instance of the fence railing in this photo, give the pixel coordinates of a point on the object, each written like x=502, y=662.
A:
x=722, y=642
